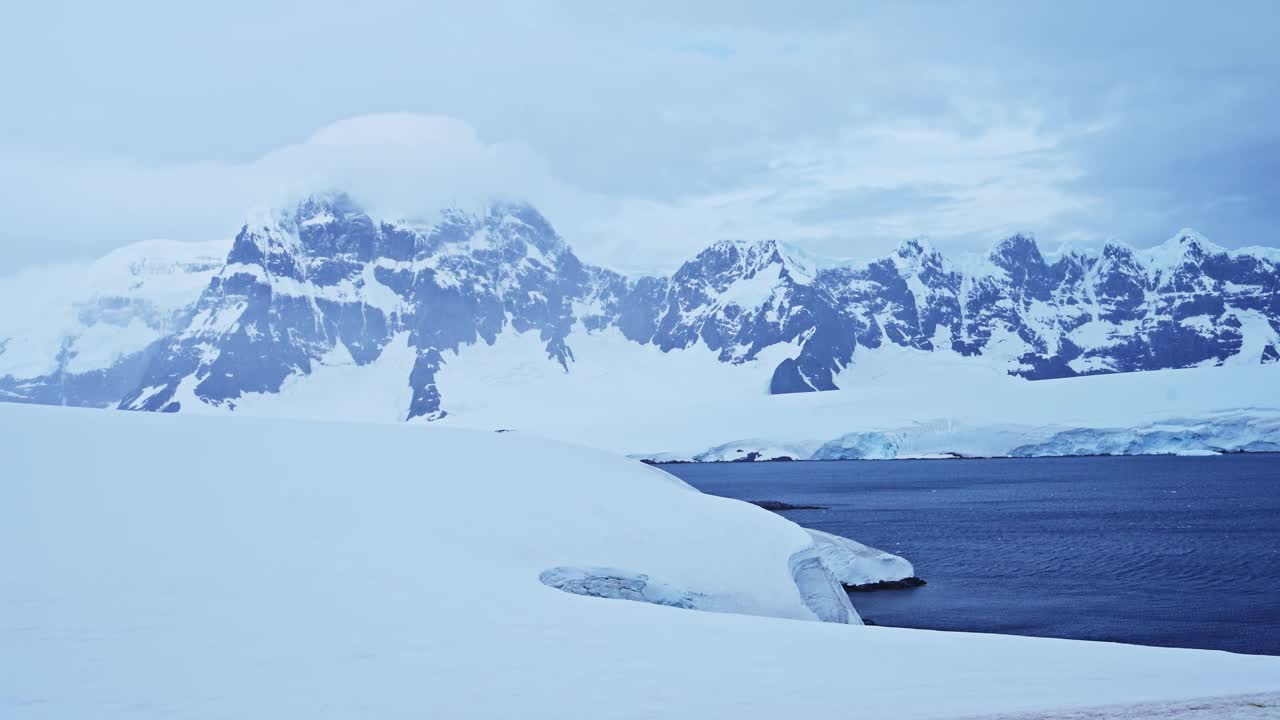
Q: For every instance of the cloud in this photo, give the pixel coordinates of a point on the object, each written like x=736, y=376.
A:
x=865, y=189
x=404, y=164
x=399, y=164
x=647, y=134
x=862, y=192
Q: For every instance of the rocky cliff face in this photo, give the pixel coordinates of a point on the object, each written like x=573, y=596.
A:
x=326, y=277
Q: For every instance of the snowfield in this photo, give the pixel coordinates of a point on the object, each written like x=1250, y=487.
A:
x=185, y=566
x=84, y=317
x=893, y=403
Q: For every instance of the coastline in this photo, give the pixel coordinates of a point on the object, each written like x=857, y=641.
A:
x=951, y=456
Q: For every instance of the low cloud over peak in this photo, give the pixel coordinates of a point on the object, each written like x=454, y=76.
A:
x=843, y=130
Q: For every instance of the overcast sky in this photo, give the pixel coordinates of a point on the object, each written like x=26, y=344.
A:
x=646, y=133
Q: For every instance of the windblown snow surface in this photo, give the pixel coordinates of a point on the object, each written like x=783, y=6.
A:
x=184, y=566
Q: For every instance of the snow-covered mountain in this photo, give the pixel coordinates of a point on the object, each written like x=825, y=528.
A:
x=80, y=334
x=325, y=310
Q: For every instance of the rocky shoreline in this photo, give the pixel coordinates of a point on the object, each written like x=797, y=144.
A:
x=779, y=506
x=907, y=583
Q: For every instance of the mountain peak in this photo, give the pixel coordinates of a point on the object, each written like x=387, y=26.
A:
x=325, y=208
x=732, y=260
x=1185, y=246
x=1189, y=236
x=511, y=211
x=1113, y=249
x=915, y=247
x=755, y=253
x=336, y=200
x=1017, y=250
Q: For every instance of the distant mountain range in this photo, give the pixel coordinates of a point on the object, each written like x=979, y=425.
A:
x=169, y=326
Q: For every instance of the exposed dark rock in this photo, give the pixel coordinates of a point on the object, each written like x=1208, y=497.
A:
x=779, y=506
x=327, y=276
x=903, y=584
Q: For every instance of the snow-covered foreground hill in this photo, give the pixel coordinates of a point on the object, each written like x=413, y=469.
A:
x=187, y=566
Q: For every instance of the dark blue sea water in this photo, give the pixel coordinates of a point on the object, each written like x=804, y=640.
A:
x=1169, y=551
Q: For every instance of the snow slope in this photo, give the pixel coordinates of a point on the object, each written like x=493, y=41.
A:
x=103, y=310
x=894, y=402
x=185, y=566
x=86, y=320
x=853, y=563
